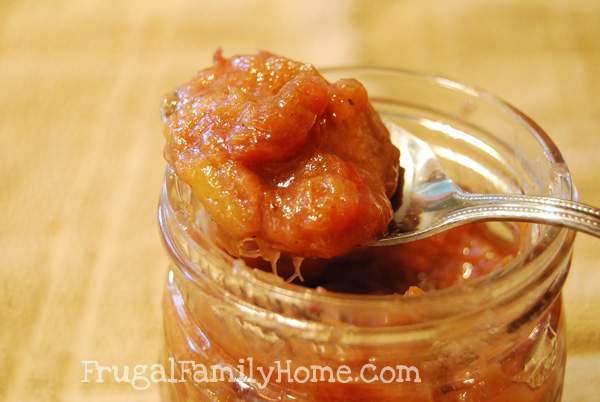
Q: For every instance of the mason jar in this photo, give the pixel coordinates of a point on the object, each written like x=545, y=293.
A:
x=497, y=338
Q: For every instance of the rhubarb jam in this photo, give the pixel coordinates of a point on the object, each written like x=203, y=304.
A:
x=282, y=158
x=277, y=180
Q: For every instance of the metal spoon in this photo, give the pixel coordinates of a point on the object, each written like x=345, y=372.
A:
x=431, y=202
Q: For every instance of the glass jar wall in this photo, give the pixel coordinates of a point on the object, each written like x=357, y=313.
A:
x=495, y=338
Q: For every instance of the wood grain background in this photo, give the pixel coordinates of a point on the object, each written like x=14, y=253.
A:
x=82, y=266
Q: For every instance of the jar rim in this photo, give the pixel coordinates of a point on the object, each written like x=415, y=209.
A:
x=555, y=240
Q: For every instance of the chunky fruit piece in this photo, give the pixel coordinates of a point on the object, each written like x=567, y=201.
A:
x=278, y=155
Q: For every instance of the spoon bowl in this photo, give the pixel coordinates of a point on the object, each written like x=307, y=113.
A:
x=432, y=202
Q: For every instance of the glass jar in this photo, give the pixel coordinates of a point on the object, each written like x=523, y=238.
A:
x=496, y=338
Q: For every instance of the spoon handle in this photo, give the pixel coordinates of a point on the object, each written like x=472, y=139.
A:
x=554, y=211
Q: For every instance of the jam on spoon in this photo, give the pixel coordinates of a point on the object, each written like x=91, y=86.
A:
x=280, y=159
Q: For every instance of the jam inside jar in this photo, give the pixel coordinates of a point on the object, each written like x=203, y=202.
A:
x=475, y=311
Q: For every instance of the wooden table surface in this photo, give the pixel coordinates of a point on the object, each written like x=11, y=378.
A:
x=82, y=265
